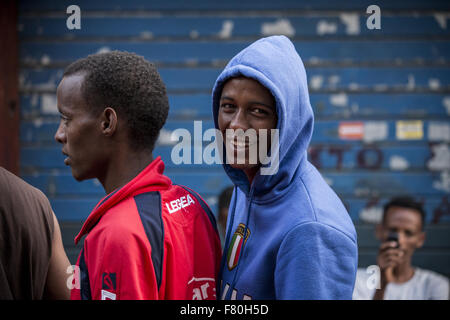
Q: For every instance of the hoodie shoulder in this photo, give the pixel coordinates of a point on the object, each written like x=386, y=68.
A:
x=325, y=269
x=326, y=206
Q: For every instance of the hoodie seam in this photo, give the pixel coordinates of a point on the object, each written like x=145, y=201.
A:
x=301, y=224
x=288, y=189
x=315, y=215
x=309, y=198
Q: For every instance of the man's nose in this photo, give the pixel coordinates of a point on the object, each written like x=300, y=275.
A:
x=401, y=238
x=239, y=121
x=60, y=135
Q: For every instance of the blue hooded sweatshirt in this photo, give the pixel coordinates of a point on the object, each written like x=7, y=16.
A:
x=288, y=234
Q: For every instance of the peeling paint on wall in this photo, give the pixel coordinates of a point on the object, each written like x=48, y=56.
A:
x=325, y=27
x=38, y=122
x=191, y=62
x=333, y=81
x=375, y=131
x=351, y=21
x=438, y=131
x=440, y=159
x=443, y=183
x=52, y=188
x=165, y=138
x=329, y=181
x=34, y=99
x=398, y=163
x=434, y=84
x=314, y=60
x=316, y=82
x=45, y=60
x=411, y=84
x=339, y=100
x=49, y=103
x=446, y=104
x=146, y=35
x=279, y=27
x=353, y=86
x=441, y=19
x=371, y=215
x=104, y=50
x=22, y=79
x=380, y=87
x=194, y=34
x=227, y=29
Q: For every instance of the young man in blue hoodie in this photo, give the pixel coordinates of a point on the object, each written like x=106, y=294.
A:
x=288, y=234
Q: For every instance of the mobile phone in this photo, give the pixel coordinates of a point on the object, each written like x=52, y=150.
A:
x=393, y=237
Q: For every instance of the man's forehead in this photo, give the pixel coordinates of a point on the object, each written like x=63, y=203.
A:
x=69, y=93
x=400, y=215
x=74, y=81
x=251, y=88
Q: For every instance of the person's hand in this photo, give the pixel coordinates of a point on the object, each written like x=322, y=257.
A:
x=389, y=257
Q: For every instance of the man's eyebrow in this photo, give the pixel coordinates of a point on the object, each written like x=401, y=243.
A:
x=262, y=104
x=226, y=98
x=251, y=102
x=62, y=111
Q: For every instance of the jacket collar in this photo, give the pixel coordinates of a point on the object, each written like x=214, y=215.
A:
x=149, y=179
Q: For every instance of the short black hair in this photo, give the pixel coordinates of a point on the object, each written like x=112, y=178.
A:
x=405, y=202
x=129, y=84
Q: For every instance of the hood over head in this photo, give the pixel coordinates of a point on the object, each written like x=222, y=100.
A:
x=274, y=62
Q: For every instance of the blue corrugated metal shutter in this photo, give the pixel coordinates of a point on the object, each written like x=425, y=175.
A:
x=381, y=97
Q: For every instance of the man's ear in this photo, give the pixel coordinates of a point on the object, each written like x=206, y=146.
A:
x=109, y=121
x=421, y=240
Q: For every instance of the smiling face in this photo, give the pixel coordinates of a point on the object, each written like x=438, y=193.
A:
x=245, y=104
x=79, y=131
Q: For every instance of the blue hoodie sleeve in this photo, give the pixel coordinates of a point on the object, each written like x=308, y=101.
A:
x=316, y=261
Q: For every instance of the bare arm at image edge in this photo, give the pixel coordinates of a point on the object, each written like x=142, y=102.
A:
x=56, y=285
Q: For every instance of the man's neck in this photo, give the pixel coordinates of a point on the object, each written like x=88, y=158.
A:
x=251, y=173
x=403, y=272
x=124, y=168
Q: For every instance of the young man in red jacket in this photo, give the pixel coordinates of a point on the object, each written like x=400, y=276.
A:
x=147, y=238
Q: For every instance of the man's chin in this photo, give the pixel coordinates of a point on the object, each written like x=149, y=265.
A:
x=245, y=166
x=79, y=176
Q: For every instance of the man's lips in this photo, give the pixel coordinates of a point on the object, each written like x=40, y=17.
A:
x=240, y=143
x=67, y=159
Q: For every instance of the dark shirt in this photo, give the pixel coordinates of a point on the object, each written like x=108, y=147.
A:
x=26, y=232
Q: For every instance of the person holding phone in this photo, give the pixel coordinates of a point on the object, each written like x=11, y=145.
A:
x=401, y=232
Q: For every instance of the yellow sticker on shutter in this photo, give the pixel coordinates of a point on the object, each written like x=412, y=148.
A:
x=409, y=130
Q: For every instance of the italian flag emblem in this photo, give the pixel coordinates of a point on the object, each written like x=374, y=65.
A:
x=236, y=245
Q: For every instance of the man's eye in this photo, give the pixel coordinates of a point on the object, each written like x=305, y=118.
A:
x=260, y=111
x=64, y=118
x=227, y=106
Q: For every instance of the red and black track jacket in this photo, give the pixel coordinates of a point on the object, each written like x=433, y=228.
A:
x=149, y=239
